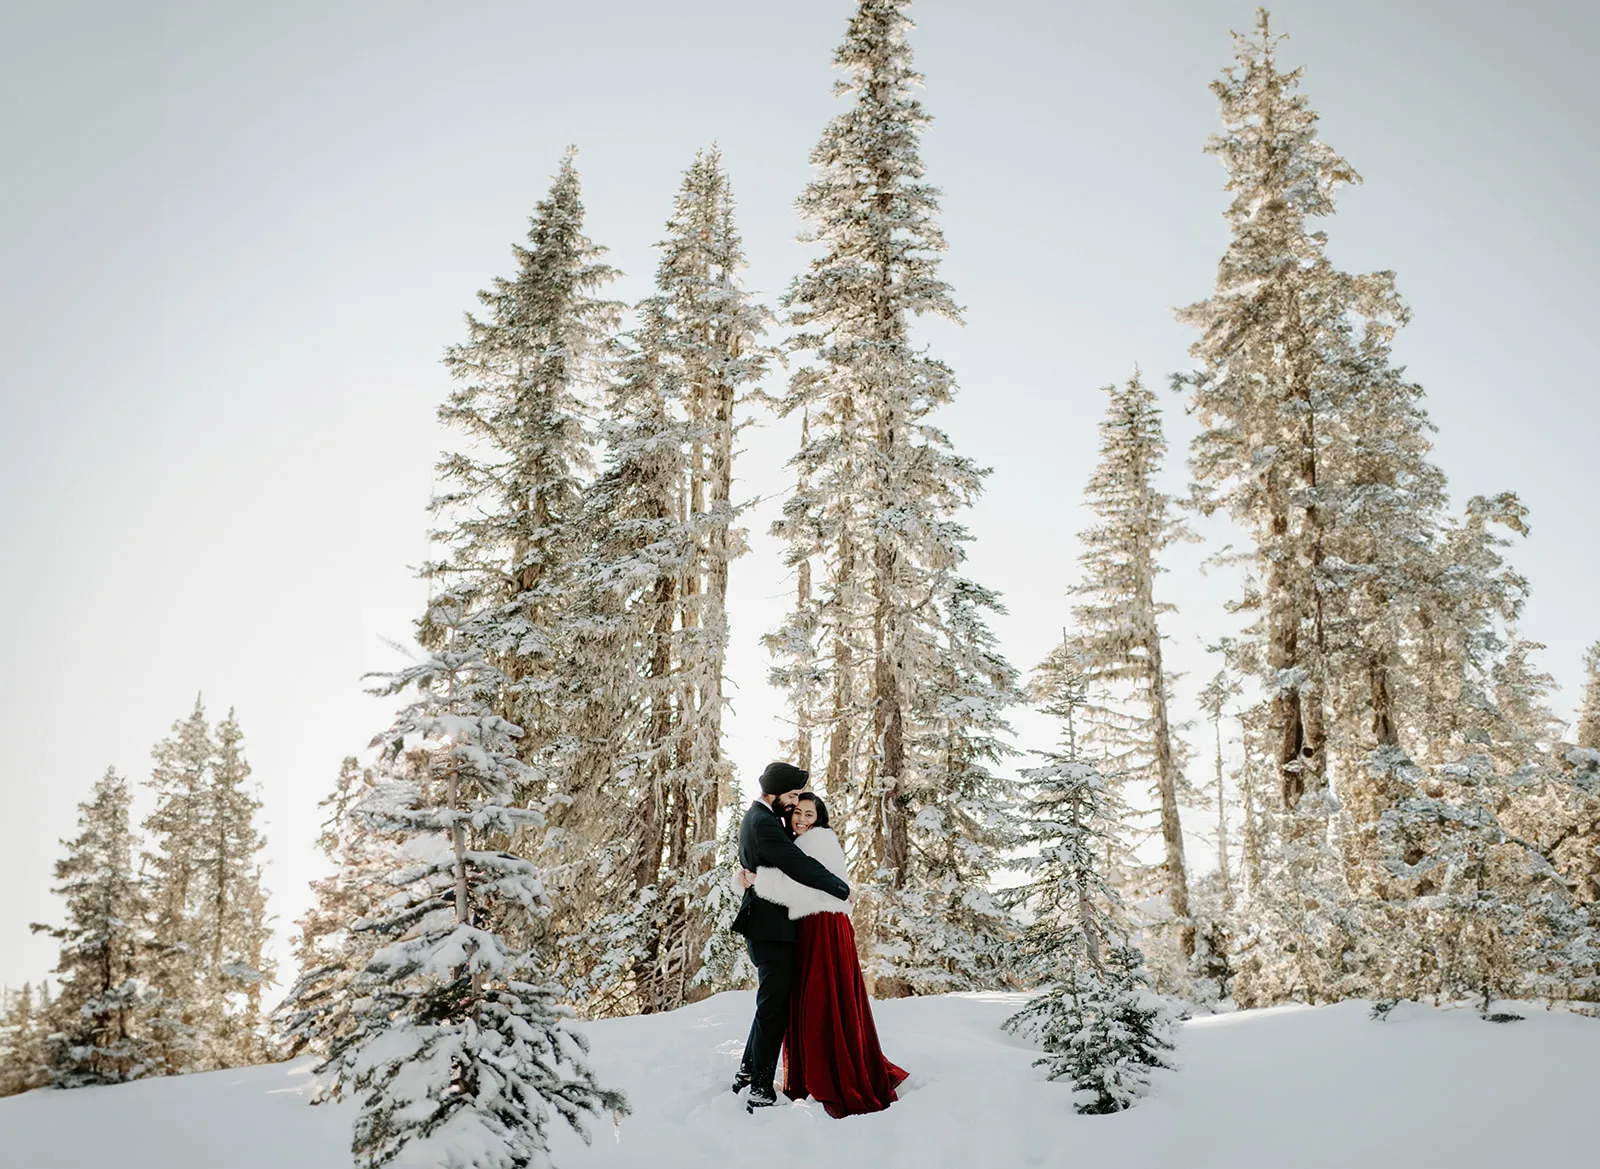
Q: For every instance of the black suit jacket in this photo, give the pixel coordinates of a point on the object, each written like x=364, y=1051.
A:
x=762, y=841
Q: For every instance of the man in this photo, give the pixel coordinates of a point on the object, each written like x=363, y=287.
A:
x=769, y=934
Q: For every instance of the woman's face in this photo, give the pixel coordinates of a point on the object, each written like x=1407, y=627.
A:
x=803, y=816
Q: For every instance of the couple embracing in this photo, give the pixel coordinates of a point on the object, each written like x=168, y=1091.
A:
x=810, y=999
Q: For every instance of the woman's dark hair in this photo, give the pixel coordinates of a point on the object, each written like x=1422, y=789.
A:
x=822, y=808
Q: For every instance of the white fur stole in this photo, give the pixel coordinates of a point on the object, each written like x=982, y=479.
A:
x=773, y=884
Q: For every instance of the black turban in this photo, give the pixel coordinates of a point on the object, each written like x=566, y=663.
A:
x=783, y=777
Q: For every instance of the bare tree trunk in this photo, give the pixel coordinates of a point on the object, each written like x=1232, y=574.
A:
x=803, y=695
x=458, y=841
x=892, y=843
x=839, y=744
x=1224, y=873
x=1252, y=827
x=1177, y=876
x=1588, y=730
x=1298, y=741
x=530, y=554
x=721, y=552
x=219, y=911
x=1384, y=731
x=1313, y=717
x=802, y=719
x=1366, y=796
x=886, y=771
x=658, y=800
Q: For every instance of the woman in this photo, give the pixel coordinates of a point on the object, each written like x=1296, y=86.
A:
x=830, y=1050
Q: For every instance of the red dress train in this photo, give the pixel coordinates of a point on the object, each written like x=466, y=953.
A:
x=830, y=1050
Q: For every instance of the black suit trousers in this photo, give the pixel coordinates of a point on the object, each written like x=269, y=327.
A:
x=774, y=962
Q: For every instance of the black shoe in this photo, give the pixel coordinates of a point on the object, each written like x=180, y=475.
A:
x=741, y=1082
x=760, y=1098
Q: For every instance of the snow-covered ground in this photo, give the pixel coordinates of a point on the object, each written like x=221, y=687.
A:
x=1291, y=1088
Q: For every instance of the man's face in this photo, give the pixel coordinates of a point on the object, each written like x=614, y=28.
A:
x=787, y=800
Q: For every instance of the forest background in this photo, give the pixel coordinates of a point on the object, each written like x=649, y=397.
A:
x=238, y=244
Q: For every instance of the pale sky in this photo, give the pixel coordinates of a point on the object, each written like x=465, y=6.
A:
x=237, y=239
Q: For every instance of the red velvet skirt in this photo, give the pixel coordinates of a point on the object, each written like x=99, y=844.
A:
x=830, y=1050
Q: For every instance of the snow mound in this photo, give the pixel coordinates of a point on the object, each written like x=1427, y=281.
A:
x=1310, y=1088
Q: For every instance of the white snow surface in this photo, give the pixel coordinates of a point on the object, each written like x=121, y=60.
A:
x=1302, y=1087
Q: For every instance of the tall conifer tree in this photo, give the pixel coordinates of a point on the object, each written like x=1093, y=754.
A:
x=1313, y=441
x=710, y=331
x=458, y=1052
x=507, y=505
x=100, y=1038
x=1214, y=698
x=886, y=621
x=1090, y=1016
x=23, y=1028
x=170, y=869
x=202, y=874
x=231, y=905
x=1273, y=339
x=629, y=773
x=328, y=949
x=1118, y=629
x=649, y=628
x=1589, y=712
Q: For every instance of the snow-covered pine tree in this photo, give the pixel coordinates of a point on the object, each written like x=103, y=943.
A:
x=99, y=1037
x=1092, y=1019
x=1214, y=699
x=1117, y=630
x=1588, y=734
x=23, y=1027
x=508, y=501
x=709, y=331
x=1547, y=797
x=169, y=869
x=328, y=951
x=1432, y=613
x=1575, y=851
x=231, y=907
x=880, y=486
x=724, y=961
x=1240, y=661
x=1385, y=503
x=1475, y=850
x=1060, y=688
x=1552, y=805
x=1255, y=827
x=629, y=771
x=202, y=883
x=1316, y=445
x=459, y=1053
x=1525, y=728
x=1273, y=335
x=1215, y=893
x=1481, y=895
x=1574, y=844
x=796, y=646
x=649, y=638
x=1464, y=614
x=13, y=1019
x=945, y=931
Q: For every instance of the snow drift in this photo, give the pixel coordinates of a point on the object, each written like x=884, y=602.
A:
x=1325, y=1087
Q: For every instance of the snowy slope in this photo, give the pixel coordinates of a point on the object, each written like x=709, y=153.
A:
x=1281, y=1088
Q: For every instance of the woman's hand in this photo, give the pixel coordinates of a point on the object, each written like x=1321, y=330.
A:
x=744, y=878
